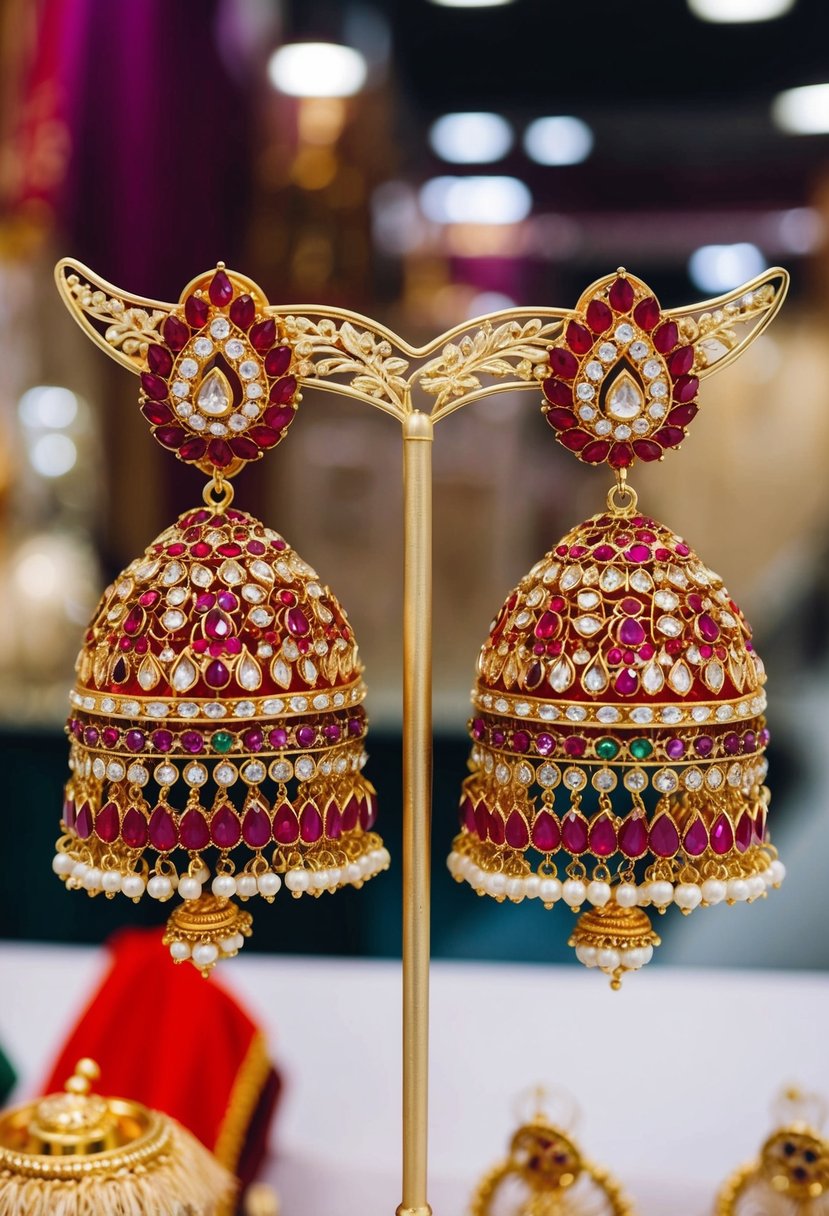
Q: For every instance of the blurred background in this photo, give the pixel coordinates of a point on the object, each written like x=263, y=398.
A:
x=430, y=161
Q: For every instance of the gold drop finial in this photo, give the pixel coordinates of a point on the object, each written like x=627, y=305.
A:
x=86, y=1071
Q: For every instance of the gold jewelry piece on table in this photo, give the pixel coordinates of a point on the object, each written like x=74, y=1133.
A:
x=791, y=1175
x=79, y=1154
x=546, y=1174
x=618, y=737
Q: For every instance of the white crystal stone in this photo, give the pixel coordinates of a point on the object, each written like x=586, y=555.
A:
x=237, y=423
x=548, y=776
x=576, y=713
x=98, y=768
x=252, y=593
x=585, y=392
x=595, y=678
x=253, y=772
x=523, y=619
x=611, y=578
x=671, y=714
x=108, y=705
x=253, y=391
x=561, y=676
x=625, y=400
x=670, y=626
x=623, y=332
x=250, y=411
x=166, y=773
x=640, y=580
x=290, y=650
x=522, y=708
x=607, y=713
x=172, y=573
x=203, y=347
x=657, y=411
x=173, y=619
x=665, y=599
x=234, y=348
x=501, y=705
x=603, y=426
x=116, y=770
x=574, y=779
x=714, y=675
x=523, y=773
x=262, y=570
x=641, y=426
x=261, y=617
x=248, y=369
x=217, y=428
x=225, y=774
x=244, y=709
x=604, y=781
x=137, y=774
x=177, y=596
x=201, y=576
x=700, y=713
x=180, y=388
x=587, y=625
x=502, y=774
x=130, y=708
x=680, y=678
x=231, y=572
x=641, y=715
x=195, y=774
x=635, y=780
x=571, y=578
x=156, y=709
x=587, y=413
x=714, y=778
x=305, y=768
x=622, y=432
x=548, y=713
x=652, y=678
x=249, y=673
x=188, y=710
x=220, y=328
x=658, y=389
x=665, y=780
x=214, y=709
x=595, y=370
x=281, y=770
x=639, y=349
x=299, y=704
x=652, y=368
x=148, y=673
x=607, y=352
x=198, y=423
x=321, y=701
x=188, y=368
x=215, y=397
x=587, y=599
x=692, y=779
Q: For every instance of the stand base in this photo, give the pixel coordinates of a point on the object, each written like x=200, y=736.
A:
x=425, y=1210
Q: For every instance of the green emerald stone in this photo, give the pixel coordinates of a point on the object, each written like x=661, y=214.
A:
x=606, y=749
x=640, y=749
x=222, y=741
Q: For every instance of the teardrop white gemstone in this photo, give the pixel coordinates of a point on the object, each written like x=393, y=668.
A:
x=214, y=396
x=148, y=673
x=201, y=576
x=595, y=678
x=714, y=675
x=309, y=672
x=571, y=578
x=652, y=678
x=561, y=677
x=249, y=673
x=680, y=677
x=231, y=572
x=281, y=673
x=611, y=579
x=183, y=675
x=625, y=400
x=640, y=580
x=587, y=625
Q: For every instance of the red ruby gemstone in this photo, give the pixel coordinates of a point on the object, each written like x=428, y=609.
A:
x=69, y=816
x=666, y=337
x=482, y=820
x=546, y=832
x=285, y=824
x=708, y=627
x=310, y=823
x=217, y=675
x=220, y=289
x=154, y=386
x=162, y=830
x=176, y=334
x=256, y=826
x=108, y=823
x=574, y=440
x=621, y=295
x=253, y=739
x=557, y=392
x=368, y=820
x=722, y=834
x=681, y=415
x=134, y=620
x=646, y=313
x=631, y=632
x=681, y=361
x=575, y=745
x=219, y=453
x=561, y=419
x=162, y=740
x=134, y=829
x=548, y=625
x=278, y=360
x=297, y=622
x=744, y=832
x=695, y=840
x=195, y=834
x=193, y=449
x=646, y=450
x=578, y=338
x=283, y=391
x=686, y=388
x=497, y=832
x=595, y=453
x=664, y=838
x=603, y=553
x=602, y=838
x=217, y=624
x=244, y=448
x=621, y=455
x=333, y=821
x=633, y=835
x=110, y=736
x=520, y=742
x=563, y=363
x=225, y=828
x=669, y=436
x=169, y=436
x=277, y=417
x=159, y=359
x=84, y=822
x=598, y=316
x=196, y=310
x=263, y=335
x=243, y=312
x=626, y=682
x=574, y=833
x=135, y=740
x=351, y=814
x=263, y=436
x=517, y=833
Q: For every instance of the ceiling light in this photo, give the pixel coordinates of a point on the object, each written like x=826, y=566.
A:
x=53, y=454
x=471, y=139
x=317, y=69
x=558, y=141
x=49, y=406
x=722, y=267
x=475, y=200
x=803, y=111
x=733, y=11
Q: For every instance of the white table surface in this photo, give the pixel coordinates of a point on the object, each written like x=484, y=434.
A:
x=674, y=1075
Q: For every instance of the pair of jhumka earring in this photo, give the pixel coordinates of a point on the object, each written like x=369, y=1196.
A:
x=217, y=731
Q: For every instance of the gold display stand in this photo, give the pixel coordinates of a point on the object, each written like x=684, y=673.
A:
x=351, y=355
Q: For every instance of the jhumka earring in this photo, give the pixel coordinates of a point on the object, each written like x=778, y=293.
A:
x=216, y=729
x=791, y=1177
x=545, y=1172
x=618, y=730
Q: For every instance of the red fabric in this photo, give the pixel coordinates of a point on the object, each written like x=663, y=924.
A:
x=166, y=1037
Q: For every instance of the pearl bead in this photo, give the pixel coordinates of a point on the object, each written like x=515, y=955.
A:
x=92, y=879
x=452, y=862
x=159, y=887
x=133, y=886
x=228, y=944
x=648, y=953
x=598, y=893
x=574, y=892
x=62, y=864
x=756, y=886
x=385, y=858
x=475, y=877
x=737, y=889
x=320, y=880
x=496, y=884
x=223, y=885
x=627, y=895
x=268, y=884
x=549, y=890
x=688, y=896
x=246, y=885
x=189, y=887
x=532, y=886
x=633, y=959
x=111, y=880
x=352, y=872
x=335, y=877
x=713, y=891
x=297, y=880
x=78, y=870
x=366, y=865
x=608, y=960
x=205, y=954
x=778, y=872
x=202, y=874
x=515, y=888
x=661, y=893
x=180, y=951
x=586, y=955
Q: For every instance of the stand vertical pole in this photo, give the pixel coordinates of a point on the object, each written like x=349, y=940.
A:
x=417, y=805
